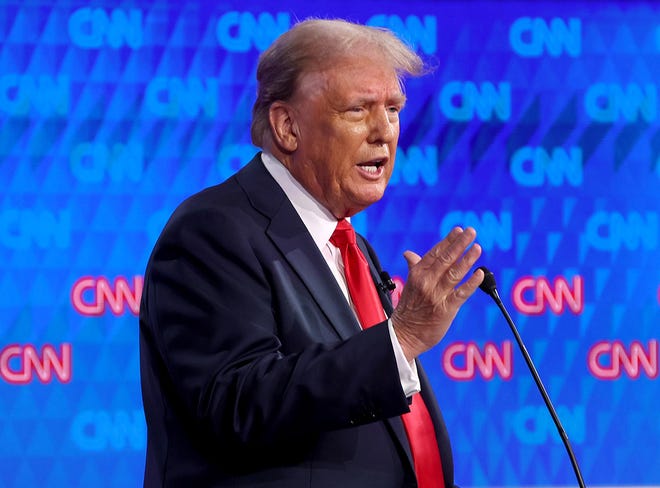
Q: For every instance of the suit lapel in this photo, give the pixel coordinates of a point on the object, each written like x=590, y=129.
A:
x=375, y=268
x=290, y=236
x=301, y=252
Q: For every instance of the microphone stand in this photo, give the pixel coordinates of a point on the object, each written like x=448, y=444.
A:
x=490, y=288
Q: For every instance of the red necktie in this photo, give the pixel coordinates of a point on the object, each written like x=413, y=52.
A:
x=418, y=424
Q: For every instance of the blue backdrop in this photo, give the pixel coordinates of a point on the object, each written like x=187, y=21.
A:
x=539, y=126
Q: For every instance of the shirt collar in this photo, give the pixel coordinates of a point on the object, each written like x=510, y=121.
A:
x=319, y=221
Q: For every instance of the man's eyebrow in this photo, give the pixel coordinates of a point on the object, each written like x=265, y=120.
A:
x=398, y=98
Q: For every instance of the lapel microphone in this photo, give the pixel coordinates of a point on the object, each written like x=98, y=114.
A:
x=489, y=286
x=386, y=284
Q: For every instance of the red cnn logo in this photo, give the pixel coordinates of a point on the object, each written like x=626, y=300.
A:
x=606, y=360
x=461, y=360
x=19, y=364
x=90, y=296
x=532, y=296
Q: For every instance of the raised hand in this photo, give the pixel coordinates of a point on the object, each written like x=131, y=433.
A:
x=433, y=293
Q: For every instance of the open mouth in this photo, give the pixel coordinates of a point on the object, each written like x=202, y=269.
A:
x=373, y=167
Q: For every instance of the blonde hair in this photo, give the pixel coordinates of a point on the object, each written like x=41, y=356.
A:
x=313, y=44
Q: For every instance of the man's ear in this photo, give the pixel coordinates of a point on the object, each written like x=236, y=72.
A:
x=283, y=126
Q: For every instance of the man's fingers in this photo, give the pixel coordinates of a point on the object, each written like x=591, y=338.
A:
x=459, y=269
x=440, y=252
x=435, y=290
x=411, y=258
x=448, y=256
x=441, y=247
x=463, y=292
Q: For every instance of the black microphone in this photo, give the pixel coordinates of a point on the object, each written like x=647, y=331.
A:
x=489, y=286
x=386, y=283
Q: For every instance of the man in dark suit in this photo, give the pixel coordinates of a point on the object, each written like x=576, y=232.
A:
x=256, y=370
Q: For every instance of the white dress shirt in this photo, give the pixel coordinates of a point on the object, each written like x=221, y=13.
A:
x=321, y=224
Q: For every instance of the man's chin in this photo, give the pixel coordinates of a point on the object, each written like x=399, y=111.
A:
x=363, y=203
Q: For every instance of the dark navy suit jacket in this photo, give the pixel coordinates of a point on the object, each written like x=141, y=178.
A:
x=254, y=370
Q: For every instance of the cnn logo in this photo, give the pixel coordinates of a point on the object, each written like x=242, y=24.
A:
x=534, y=296
x=462, y=360
x=20, y=365
x=609, y=360
x=92, y=296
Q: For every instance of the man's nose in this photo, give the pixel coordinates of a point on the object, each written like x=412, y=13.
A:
x=384, y=126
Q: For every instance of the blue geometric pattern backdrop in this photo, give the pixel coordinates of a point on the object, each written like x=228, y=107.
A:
x=539, y=126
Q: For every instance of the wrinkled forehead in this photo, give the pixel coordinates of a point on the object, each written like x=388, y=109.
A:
x=369, y=72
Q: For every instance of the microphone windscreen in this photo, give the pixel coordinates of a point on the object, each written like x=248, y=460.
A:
x=488, y=285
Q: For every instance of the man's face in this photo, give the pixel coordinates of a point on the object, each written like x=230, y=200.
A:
x=347, y=127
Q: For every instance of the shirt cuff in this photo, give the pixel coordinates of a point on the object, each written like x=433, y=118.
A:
x=407, y=370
